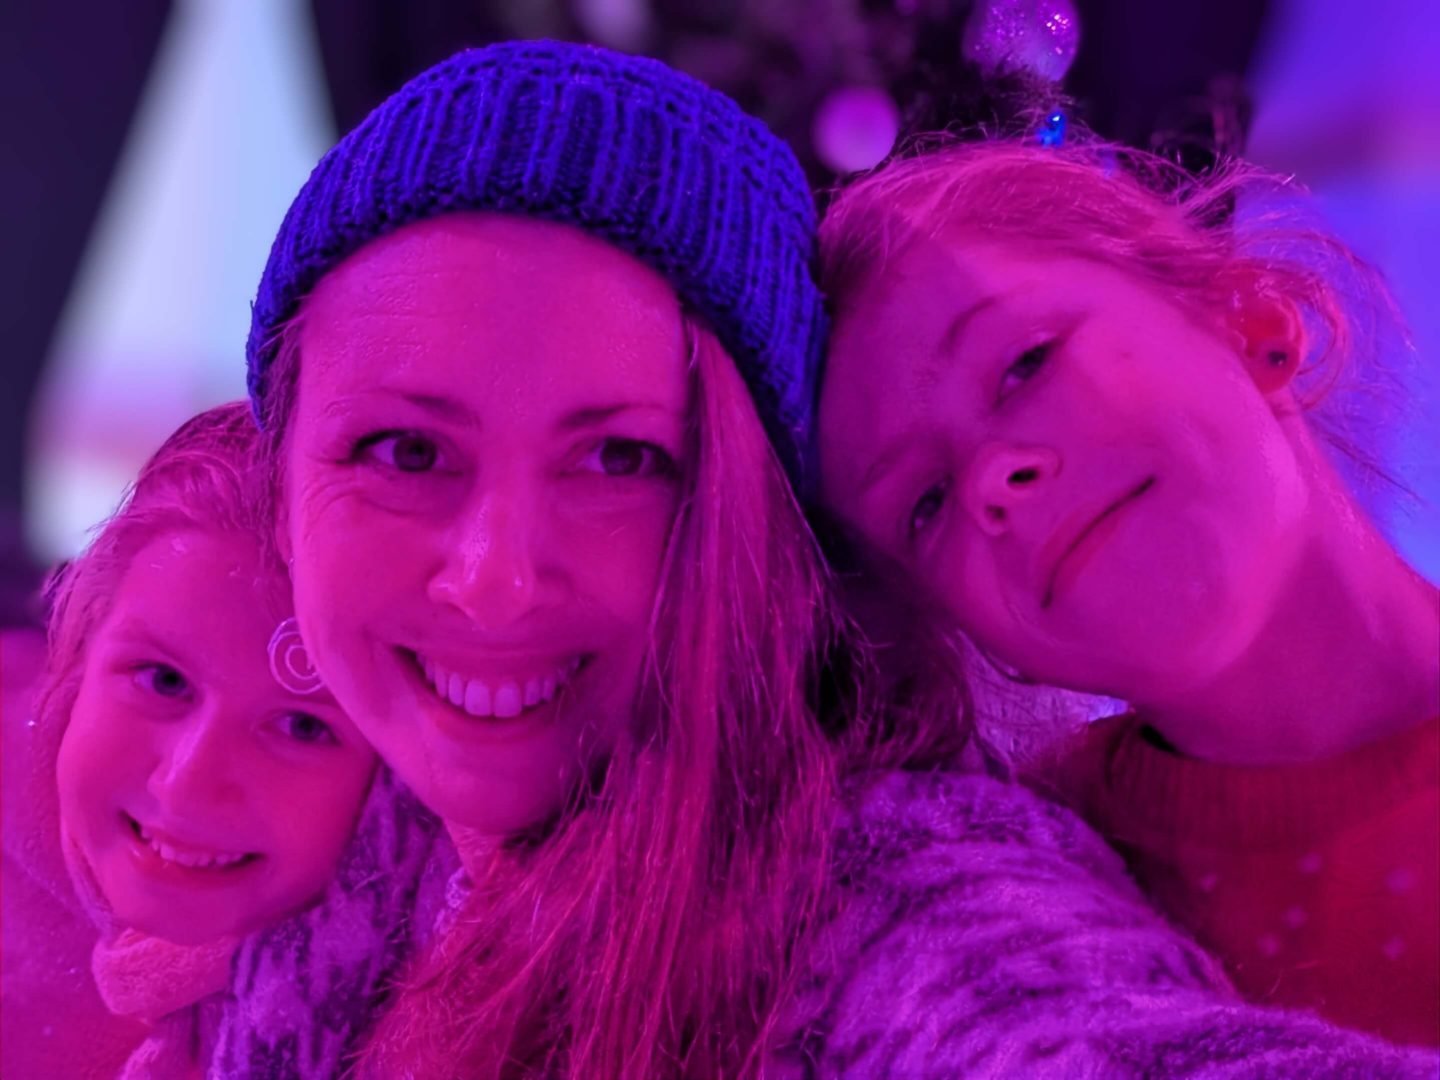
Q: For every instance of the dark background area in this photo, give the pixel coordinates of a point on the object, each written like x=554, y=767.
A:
x=1168, y=76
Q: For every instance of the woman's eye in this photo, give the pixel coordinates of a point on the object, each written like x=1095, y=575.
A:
x=304, y=728
x=628, y=457
x=927, y=508
x=404, y=451
x=1025, y=367
x=162, y=679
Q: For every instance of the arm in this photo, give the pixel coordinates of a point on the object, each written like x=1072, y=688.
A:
x=983, y=932
x=304, y=992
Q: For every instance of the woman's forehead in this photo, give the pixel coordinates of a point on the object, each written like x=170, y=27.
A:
x=474, y=260
x=484, y=292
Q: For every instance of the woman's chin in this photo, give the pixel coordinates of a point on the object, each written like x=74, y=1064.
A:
x=483, y=804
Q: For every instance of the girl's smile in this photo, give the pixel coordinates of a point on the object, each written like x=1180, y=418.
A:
x=206, y=799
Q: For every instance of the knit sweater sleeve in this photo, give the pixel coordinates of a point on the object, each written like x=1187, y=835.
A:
x=979, y=931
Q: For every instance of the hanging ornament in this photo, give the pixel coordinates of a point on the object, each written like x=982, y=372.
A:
x=1052, y=130
x=621, y=24
x=1038, y=36
x=855, y=128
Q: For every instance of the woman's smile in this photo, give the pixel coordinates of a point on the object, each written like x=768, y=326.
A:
x=479, y=699
x=501, y=697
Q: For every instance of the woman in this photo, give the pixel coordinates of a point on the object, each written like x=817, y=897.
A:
x=518, y=349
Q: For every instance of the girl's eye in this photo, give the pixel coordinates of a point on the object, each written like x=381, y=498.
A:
x=927, y=508
x=1025, y=367
x=402, y=450
x=304, y=728
x=628, y=458
x=162, y=679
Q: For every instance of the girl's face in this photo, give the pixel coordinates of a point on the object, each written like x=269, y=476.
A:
x=481, y=481
x=1084, y=478
x=206, y=798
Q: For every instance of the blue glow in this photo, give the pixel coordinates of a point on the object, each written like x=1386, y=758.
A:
x=1052, y=131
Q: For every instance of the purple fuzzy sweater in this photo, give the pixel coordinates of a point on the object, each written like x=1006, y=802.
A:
x=981, y=932
x=973, y=931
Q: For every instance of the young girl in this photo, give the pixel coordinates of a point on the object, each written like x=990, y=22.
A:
x=208, y=783
x=517, y=352
x=1073, y=406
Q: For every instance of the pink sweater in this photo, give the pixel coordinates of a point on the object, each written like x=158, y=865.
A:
x=1317, y=884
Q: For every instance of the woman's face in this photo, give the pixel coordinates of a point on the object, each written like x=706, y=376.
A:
x=481, y=479
x=1085, y=479
x=206, y=798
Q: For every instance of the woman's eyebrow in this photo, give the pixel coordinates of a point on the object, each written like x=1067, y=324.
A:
x=595, y=415
x=446, y=408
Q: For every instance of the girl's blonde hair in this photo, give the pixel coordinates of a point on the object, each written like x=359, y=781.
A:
x=200, y=478
x=1201, y=240
x=650, y=930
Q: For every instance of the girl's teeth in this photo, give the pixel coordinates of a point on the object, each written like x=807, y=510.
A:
x=532, y=693
x=191, y=859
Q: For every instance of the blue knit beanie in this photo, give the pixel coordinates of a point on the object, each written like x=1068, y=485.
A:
x=623, y=147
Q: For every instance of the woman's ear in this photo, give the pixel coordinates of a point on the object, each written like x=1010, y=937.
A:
x=280, y=529
x=1269, y=335
x=282, y=543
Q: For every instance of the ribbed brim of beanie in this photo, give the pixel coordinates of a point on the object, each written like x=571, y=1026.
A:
x=627, y=149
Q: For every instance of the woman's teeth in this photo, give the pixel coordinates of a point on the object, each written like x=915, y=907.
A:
x=196, y=860
x=502, y=698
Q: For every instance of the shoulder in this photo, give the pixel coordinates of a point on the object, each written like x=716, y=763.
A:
x=303, y=993
x=966, y=820
x=964, y=912
x=974, y=929
x=1075, y=769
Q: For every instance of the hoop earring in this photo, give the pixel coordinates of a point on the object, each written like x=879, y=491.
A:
x=290, y=664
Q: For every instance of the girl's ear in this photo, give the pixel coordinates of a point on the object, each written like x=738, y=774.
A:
x=1269, y=335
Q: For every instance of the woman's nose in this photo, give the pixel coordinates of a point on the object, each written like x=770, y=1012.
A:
x=489, y=574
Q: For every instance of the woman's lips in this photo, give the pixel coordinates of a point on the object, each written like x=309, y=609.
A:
x=500, y=696
x=508, y=690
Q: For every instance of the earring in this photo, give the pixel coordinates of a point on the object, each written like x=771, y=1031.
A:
x=1272, y=365
x=290, y=664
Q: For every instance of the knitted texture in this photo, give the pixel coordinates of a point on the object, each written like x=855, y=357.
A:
x=1317, y=883
x=972, y=930
x=627, y=149
x=305, y=991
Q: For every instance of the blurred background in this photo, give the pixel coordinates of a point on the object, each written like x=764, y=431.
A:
x=151, y=147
